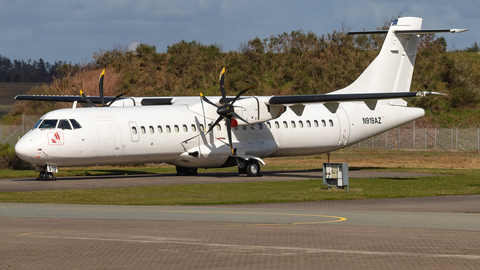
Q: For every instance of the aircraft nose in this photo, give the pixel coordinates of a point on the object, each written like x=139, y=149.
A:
x=25, y=149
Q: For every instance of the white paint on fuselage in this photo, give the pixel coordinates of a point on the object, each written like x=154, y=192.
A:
x=106, y=136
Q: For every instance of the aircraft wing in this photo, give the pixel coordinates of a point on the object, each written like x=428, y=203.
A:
x=95, y=99
x=286, y=100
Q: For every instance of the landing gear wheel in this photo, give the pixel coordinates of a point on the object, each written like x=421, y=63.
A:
x=49, y=177
x=41, y=176
x=242, y=166
x=253, y=168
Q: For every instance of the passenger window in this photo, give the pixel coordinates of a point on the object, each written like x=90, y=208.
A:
x=160, y=129
x=176, y=128
x=134, y=130
x=64, y=124
x=219, y=127
x=185, y=129
x=309, y=124
x=300, y=124
x=142, y=128
x=293, y=124
x=260, y=125
x=277, y=125
x=168, y=129
x=252, y=127
x=330, y=122
x=244, y=127
x=194, y=128
x=269, y=125
x=323, y=123
x=285, y=125
x=48, y=124
x=151, y=129
x=315, y=123
x=75, y=124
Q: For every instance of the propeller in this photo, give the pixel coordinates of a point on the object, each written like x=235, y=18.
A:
x=226, y=111
x=100, y=91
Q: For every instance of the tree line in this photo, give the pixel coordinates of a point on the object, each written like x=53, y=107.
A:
x=28, y=71
x=294, y=63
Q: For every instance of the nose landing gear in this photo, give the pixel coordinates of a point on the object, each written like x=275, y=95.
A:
x=46, y=173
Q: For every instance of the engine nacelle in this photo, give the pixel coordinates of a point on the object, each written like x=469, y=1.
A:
x=255, y=110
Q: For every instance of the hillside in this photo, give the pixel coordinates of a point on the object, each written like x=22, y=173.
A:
x=289, y=63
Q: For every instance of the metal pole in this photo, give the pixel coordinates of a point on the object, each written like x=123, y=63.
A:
x=425, y=138
x=386, y=140
x=451, y=139
x=414, y=135
x=398, y=146
x=456, y=139
x=435, y=137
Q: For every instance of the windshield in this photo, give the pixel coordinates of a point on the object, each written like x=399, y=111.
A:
x=48, y=124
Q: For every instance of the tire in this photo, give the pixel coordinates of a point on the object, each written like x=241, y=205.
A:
x=49, y=176
x=253, y=168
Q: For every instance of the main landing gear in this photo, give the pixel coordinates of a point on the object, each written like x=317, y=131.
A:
x=251, y=167
x=46, y=173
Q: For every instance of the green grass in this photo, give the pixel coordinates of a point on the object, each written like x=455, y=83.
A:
x=463, y=182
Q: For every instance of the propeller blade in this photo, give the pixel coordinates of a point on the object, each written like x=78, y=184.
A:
x=222, y=86
x=214, y=124
x=207, y=100
x=117, y=97
x=100, y=87
x=229, y=133
x=238, y=117
x=84, y=97
x=240, y=94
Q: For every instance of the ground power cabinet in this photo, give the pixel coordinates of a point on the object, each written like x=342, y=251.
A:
x=335, y=175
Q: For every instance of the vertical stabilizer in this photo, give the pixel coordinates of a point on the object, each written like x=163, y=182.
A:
x=392, y=69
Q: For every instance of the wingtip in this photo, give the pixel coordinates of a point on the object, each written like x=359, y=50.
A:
x=458, y=30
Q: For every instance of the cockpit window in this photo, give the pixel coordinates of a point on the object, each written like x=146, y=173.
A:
x=64, y=124
x=75, y=124
x=37, y=124
x=48, y=124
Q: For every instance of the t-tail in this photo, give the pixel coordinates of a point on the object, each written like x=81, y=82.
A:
x=392, y=69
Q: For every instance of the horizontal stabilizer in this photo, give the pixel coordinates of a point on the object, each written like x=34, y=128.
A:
x=346, y=97
x=416, y=32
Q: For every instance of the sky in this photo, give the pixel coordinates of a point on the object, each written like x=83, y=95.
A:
x=59, y=30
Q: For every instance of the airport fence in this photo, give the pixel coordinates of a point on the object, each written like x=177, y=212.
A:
x=406, y=137
x=12, y=133
x=410, y=137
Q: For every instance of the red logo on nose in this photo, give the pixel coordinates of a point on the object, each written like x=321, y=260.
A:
x=55, y=138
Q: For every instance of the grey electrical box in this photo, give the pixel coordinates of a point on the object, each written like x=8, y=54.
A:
x=335, y=175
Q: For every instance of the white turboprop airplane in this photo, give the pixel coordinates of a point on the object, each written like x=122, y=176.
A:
x=201, y=132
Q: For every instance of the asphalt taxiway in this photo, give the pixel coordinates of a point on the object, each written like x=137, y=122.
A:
x=402, y=233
